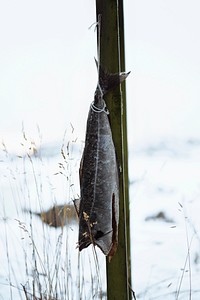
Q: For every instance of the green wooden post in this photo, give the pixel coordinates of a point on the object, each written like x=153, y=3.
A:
x=125, y=140
x=112, y=59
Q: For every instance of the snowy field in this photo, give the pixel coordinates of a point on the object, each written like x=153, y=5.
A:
x=32, y=251
x=165, y=230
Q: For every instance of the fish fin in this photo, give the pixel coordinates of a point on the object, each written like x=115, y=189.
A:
x=77, y=205
x=123, y=76
x=96, y=62
x=81, y=170
x=109, y=81
x=114, y=230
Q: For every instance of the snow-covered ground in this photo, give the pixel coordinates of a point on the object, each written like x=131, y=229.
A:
x=32, y=250
x=165, y=230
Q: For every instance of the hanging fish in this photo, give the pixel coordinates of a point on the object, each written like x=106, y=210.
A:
x=99, y=180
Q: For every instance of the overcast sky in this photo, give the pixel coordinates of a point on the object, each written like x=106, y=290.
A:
x=48, y=75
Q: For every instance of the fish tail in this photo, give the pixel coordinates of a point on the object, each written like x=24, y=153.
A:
x=108, y=81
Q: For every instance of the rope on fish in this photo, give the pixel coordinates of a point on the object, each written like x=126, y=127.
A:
x=99, y=110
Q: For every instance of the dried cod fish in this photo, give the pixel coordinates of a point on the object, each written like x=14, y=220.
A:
x=99, y=180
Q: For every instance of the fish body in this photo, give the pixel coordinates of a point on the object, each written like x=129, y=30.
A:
x=99, y=179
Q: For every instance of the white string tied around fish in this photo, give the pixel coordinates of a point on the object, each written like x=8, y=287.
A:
x=99, y=110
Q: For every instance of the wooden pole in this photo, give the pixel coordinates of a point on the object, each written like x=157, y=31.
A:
x=112, y=59
x=125, y=139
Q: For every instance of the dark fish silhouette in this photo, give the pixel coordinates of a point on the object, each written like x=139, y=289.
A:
x=99, y=181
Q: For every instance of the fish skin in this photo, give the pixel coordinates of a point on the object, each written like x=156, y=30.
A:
x=99, y=179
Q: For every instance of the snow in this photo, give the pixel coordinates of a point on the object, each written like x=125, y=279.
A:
x=36, y=183
x=164, y=251
x=162, y=182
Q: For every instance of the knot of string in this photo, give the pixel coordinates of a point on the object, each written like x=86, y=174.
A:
x=99, y=110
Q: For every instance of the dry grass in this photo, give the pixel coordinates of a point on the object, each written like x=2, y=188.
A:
x=40, y=234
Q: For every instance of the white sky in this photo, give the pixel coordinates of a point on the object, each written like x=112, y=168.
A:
x=163, y=50
x=48, y=76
